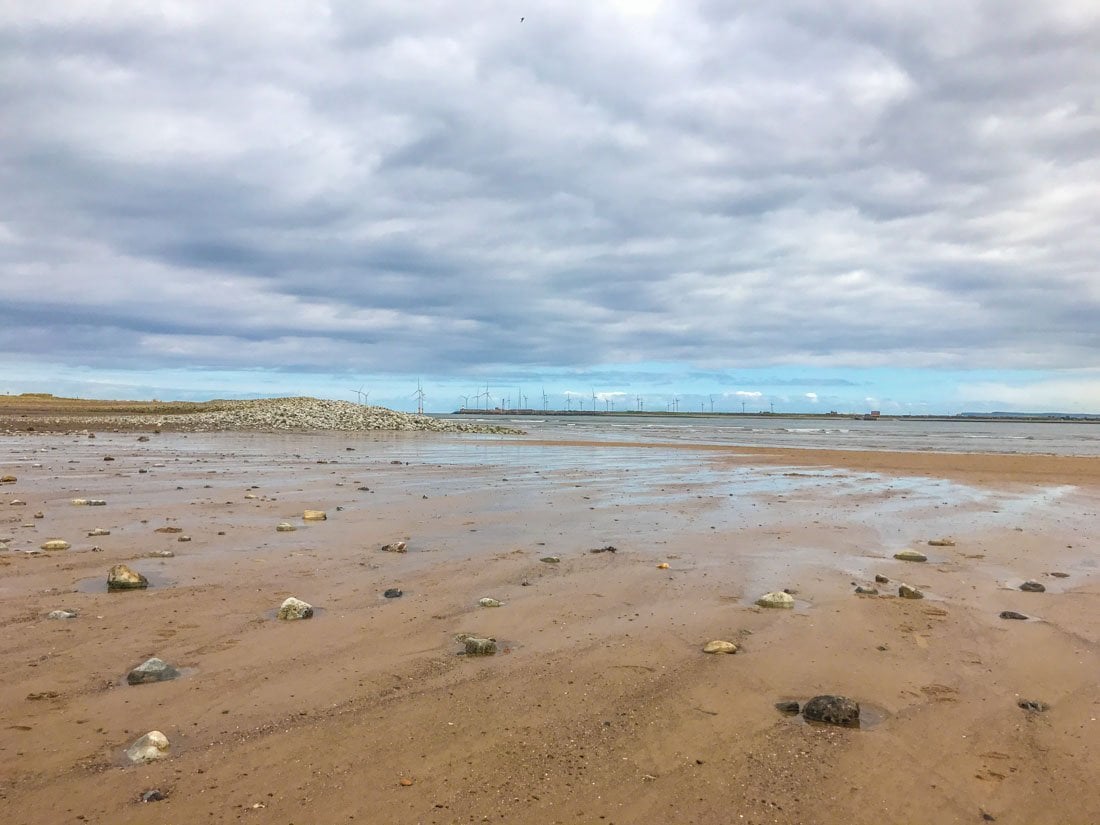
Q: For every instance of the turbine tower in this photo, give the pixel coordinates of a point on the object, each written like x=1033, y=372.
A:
x=419, y=396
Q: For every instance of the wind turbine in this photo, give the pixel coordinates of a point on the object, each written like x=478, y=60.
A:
x=419, y=396
x=465, y=401
x=593, y=400
x=545, y=400
x=362, y=396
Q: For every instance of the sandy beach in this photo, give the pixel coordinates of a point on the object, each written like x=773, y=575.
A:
x=599, y=706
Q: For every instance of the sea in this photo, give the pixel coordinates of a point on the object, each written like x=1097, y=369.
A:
x=890, y=434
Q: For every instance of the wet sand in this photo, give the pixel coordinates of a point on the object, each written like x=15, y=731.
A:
x=600, y=706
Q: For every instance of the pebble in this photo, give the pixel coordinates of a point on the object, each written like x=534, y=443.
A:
x=777, y=599
x=396, y=547
x=162, y=554
x=1012, y=614
x=476, y=646
x=866, y=591
x=56, y=544
x=314, y=515
x=285, y=527
x=89, y=502
x=832, y=710
x=609, y=549
x=168, y=529
x=121, y=577
x=1058, y=575
x=293, y=609
x=488, y=602
x=907, y=591
x=393, y=593
x=663, y=566
x=405, y=782
x=719, y=646
x=15, y=502
x=1033, y=705
x=1032, y=587
x=99, y=531
x=8, y=479
x=61, y=614
x=550, y=559
x=154, y=795
x=788, y=707
x=143, y=438
x=941, y=543
x=910, y=555
x=184, y=538
x=151, y=670
x=39, y=514
x=149, y=748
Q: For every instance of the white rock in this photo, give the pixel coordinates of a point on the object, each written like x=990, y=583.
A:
x=60, y=614
x=293, y=609
x=149, y=748
x=285, y=527
x=777, y=599
x=719, y=646
x=487, y=602
x=56, y=544
x=910, y=555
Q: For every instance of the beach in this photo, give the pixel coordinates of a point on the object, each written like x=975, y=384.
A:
x=599, y=705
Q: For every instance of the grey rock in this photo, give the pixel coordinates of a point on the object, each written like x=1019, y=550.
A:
x=1012, y=614
x=788, y=707
x=1034, y=705
x=907, y=591
x=881, y=579
x=778, y=599
x=550, y=559
x=154, y=795
x=832, y=710
x=393, y=593
x=151, y=670
x=866, y=591
x=488, y=602
x=476, y=646
x=910, y=555
x=1032, y=587
x=61, y=614
x=396, y=547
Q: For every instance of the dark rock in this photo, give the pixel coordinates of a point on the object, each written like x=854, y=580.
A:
x=153, y=795
x=1033, y=705
x=393, y=593
x=788, y=708
x=832, y=710
x=1058, y=575
x=1032, y=587
x=152, y=670
x=1012, y=614
x=881, y=579
x=866, y=591
x=609, y=549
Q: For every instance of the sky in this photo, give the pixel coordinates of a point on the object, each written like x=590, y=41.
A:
x=796, y=206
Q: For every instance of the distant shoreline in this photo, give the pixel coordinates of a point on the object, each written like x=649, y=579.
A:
x=1052, y=418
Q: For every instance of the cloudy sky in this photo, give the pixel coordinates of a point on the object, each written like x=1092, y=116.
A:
x=861, y=203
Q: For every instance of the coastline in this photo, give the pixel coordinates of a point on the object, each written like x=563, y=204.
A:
x=600, y=705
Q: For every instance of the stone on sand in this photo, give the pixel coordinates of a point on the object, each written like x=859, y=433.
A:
x=1032, y=587
x=788, y=707
x=832, y=710
x=149, y=748
x=314, y=515
x=476, y=646
x=293, y=609
x=55, y=544
x=881, y=579
x=719, y=646
x=866, y=591
x=61, y=614
x=121, y=577
x=285, y=527
x=99, y=531
x=910, y=555
x=396, y=547
x=777, y=599
x=1012, y=614
x=489, y=602
x=907, y=591
x=169, y=529
x=550, y=559
x=941, y=543
x=151, y=670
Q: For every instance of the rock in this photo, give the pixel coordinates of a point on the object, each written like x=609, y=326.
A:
x=867, y=591
x=396, y=547
x=1032, y=587
x=39, y=514
x=788, y=707
x=881, y=579
x=154, y=795
x=107, y=457
x=907, y=591
x=941, y=543
x=293, y=609
x=8, y=479
x=777, y=599
x=250, y=495
x=393, y=593
x=143, y=438
x=910, y=555
x=832, y=710
x=162, y=554
x=184, y=538
x=15, y=502
x=167, y=529
x=61, y=614
x=285, y=527
x=1058, y=575
x=99, y=531
x=149, y=748
x=56, y=544
x=314, y=515
x=487, y=602
x=1012, y=614
x=663, y=565
x=89, y=502
x=151, y=670
x=121, y=577
x=609, y=549
x=1033, y=705
x=405, y=782
x=476, y=646
x=719, y=646
x=550, y=559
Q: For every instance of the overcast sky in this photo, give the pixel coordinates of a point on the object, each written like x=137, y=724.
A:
x=853, y=203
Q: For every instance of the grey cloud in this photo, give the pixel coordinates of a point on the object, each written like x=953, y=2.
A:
x=437, y=187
